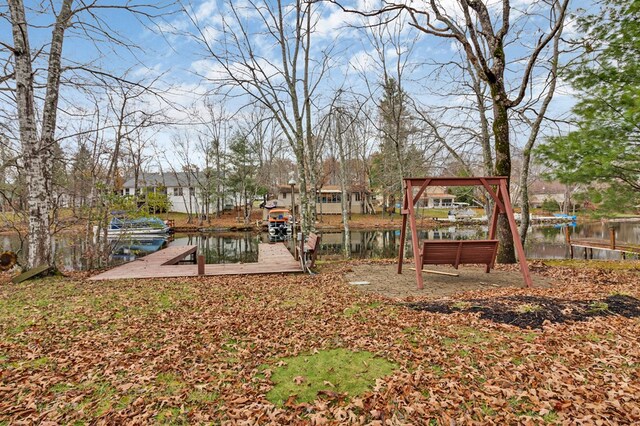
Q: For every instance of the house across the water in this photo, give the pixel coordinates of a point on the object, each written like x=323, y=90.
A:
x=436, y=197
x=328, y=199
x=183, y=190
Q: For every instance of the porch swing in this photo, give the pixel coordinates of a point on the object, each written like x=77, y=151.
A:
x=459, y=252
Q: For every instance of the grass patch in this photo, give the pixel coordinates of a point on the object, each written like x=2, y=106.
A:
x=352, y=310
x=598, y=307
x=528, y=308
x=434, y=213
x=615, y=265
x=202, y=397
x=461, y=306
x=472, y=336
x=171, y=416
x=170, y=383
x=336, y=370
x=60, y=387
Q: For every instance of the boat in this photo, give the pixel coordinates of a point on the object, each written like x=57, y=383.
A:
x=279, y=223
x=139, y=226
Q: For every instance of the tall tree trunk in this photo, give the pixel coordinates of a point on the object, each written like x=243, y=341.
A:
x=343, y=187
x=533, y=135
x=37, y=152
x=310, y=141
x=506, y=248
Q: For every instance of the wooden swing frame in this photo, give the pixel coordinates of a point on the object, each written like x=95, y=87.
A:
x=502, y=204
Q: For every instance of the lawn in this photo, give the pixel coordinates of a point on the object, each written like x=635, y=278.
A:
x=308, y=349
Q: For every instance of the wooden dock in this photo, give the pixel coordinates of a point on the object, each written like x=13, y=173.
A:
x=589, y=244
x=272, y=259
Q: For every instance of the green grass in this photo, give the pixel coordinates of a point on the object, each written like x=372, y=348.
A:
x=598, y=307
x=461, y=306
x=336, y=370
x=171, y=416
x=433, y=213
x=170, y=383
x=528, y=308
x=202, y=397
x=613, y=265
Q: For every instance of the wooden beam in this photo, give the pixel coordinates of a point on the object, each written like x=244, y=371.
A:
x=420, y=191
x=431, y=271
x=492, y=194
x=32, y=273
x=403, y=237
x=417, y=256
x=458, y=253
x=494, y=220
x=516, y=236
x=455, y=181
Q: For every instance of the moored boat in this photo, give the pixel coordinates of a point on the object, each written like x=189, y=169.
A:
x=139, y=226
x=279, y=223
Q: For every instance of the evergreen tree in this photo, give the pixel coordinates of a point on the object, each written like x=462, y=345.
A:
x=395, y=129
x=604, y=147
x=242, y=177
x=81, y=179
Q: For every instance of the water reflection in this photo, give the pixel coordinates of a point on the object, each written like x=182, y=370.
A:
x=233, y=247
x=73, y=252
x=126, y=249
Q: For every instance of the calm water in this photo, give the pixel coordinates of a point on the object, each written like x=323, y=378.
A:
x=547, y=242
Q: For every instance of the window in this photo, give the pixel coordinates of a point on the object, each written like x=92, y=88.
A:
x=329, y=198
x=177, y=192
x=126, y=191
x=357, y=195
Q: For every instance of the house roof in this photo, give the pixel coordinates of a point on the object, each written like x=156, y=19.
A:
x=542, y=187
x=441, y=196
x=167, y=179
x=326, y=189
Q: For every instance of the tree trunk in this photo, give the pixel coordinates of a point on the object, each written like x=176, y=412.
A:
x=506, y=248
x=37, y=152
x=343, y=188
x=535, y=129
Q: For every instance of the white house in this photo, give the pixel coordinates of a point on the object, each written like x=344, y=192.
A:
x=436, y=197
x=183, y=190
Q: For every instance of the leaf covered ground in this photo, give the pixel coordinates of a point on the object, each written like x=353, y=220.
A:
x=208, y=350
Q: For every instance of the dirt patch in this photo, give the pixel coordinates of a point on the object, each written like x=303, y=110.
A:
x=383, y=279
x=535, y=311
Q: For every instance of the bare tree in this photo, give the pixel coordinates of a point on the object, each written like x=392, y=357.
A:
x=534, y=125
x=482, y=34
x=38, y=133
x=284, y=85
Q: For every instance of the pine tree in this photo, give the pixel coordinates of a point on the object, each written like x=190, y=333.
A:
x=605, y=146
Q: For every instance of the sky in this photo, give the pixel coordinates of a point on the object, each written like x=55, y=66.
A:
x=173, y=51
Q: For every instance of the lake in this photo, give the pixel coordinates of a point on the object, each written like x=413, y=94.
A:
x=544, y=242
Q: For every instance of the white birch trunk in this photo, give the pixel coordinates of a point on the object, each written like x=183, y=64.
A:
x=37, y=151
x=343, y=188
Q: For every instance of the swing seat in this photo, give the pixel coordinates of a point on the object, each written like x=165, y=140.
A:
x=460, y=252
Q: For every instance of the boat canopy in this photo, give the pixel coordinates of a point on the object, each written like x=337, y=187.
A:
x=142, y=222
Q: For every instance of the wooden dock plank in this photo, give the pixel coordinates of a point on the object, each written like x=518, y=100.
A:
x=272, y=259
x=604, y=245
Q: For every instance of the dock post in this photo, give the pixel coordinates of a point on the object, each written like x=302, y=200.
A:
x=200, y=265
x=612, y=238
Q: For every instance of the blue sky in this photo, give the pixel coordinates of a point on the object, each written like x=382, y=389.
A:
x=164, y=48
